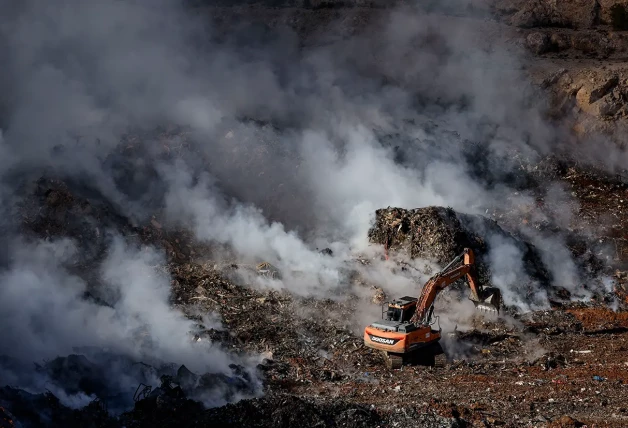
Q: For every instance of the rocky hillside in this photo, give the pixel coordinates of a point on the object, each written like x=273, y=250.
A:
x=575, y=48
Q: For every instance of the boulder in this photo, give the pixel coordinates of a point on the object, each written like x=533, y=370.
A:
x=539, y=43
x=606, y=9
x=560, y=42
x=592, y=44
x=596, y=98
x=547, y=13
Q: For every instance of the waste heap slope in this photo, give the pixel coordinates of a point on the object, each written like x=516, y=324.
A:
x=439, y=234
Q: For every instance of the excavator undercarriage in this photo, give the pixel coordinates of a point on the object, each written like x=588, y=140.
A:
x=405, y=335
x=432, y=355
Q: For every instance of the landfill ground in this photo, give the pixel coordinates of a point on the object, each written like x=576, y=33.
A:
x=570, y=361
x=564, y=366
x=525, y=370
x=529, y=371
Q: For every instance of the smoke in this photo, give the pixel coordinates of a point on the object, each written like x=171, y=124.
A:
x=45, y=314
x=41, y=301
x=509, y=275
x=130, y=65
x=286, y=149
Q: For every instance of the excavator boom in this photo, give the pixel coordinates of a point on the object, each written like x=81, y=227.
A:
x=484, y=298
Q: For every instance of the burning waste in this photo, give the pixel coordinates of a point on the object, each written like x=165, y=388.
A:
x=169, y=171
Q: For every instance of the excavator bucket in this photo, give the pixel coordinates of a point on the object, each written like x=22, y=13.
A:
x=490, y=300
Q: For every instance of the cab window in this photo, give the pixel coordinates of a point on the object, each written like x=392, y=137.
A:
x=394, y=314
x=408, y=312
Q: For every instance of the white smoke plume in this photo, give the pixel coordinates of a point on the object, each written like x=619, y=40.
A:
x=45, y=314
x=290, y=150
x=41, y=302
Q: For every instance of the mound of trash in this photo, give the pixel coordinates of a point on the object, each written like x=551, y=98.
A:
x=19, y=408
x=289, y=411
x=103, y=384
x=440, y=234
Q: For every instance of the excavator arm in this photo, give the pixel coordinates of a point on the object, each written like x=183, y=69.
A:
x=483, y=297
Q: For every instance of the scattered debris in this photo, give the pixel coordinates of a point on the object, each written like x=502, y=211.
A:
x=379, y=296
x=267, y=270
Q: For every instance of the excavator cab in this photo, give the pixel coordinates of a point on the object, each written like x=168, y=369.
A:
x=400, y=310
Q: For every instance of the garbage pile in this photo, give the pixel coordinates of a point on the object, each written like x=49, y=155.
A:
x=439, y=234
x=45, y=410
x=301, y=335
x=313, y=347
x=112, y=384
x=52, y=208
x=169, y=406
x=289, y=411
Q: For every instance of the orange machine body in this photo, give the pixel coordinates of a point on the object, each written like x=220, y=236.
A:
x=407, y=324
x=399, y=343
x=398, y=335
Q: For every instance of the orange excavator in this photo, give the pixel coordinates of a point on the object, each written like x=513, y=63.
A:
x=405, y=333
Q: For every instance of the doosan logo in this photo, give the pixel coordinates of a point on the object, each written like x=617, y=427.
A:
x=384, y=340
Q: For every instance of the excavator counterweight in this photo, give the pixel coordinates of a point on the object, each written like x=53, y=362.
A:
x=405, y=332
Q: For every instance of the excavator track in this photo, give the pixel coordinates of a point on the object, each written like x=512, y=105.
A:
x=440, y=360
x=393, y=361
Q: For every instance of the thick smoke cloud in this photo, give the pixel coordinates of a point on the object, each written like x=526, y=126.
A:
x=286, y=150
x=45, y=315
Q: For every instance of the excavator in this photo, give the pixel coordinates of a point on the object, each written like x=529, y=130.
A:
x=405, y=334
